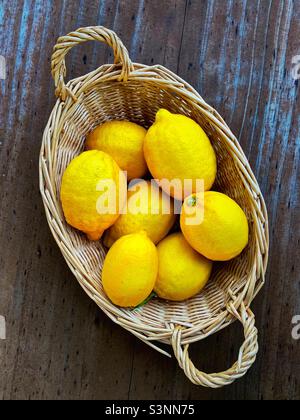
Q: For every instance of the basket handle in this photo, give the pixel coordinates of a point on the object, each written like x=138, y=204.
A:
x=92, y=33
x=247, y=354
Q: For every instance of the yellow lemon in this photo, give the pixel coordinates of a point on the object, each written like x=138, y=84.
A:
x=223, y=233
x=182, y=272
x=123, y=141
x=177, y=148
x=148, y=209
x=93, y=191
x=130, y=270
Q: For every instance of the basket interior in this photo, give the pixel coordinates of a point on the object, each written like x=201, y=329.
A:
x=138, y=102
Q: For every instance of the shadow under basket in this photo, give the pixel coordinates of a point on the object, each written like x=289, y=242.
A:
x=134, y=92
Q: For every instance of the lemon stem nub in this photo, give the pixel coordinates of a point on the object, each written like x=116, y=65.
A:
x=94, y=236
x=192, y=201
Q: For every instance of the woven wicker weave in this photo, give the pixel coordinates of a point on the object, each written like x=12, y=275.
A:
x=134, y=92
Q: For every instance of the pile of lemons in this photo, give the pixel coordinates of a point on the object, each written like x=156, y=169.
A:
x=170, y=168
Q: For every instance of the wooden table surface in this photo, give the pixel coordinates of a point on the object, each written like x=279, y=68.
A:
x=241, y=56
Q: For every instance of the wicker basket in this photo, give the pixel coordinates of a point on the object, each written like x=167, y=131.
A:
x=131, y=91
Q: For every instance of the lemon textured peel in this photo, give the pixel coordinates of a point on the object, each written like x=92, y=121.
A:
x=182, y=272
x=155, y=214
x=80, y=192
x=123, y=141
x=130, y=270
x=176, y=147
x=224, y=232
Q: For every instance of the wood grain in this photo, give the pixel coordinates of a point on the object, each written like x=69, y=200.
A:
x=238, y=55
